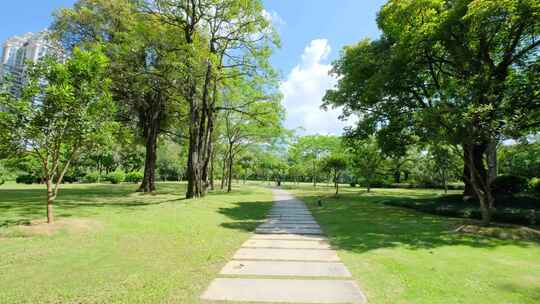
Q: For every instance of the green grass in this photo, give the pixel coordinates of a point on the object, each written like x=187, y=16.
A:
x=139, y=248
x=398, y=255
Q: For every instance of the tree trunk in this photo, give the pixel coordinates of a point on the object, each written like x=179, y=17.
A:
x=193, y=171
x=212, y=170
x=468, y=191
x=314, y=175
x=223, y=173
x=230, y=164
x=479, y=178
x=445, y=183
x=397, y=176
x=148, y=183
x=492, y=160
x=336, y=184
x=50, y=200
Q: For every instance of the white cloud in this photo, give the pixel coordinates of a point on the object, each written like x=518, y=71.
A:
x=273, y=17
x=304, y=89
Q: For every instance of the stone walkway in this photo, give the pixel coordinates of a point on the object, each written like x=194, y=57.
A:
x=287, y=260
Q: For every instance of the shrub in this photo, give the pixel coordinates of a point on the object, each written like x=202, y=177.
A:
x=70, y=179
x=134, y=177
x=116, y=177
x=91, y=177
x=508, y=185
x=534, y=185
x=26, y=179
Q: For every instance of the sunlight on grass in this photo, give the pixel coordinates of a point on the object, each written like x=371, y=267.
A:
x=148, y=248
x=401, y=256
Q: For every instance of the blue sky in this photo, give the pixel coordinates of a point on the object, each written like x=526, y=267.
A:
x=312, y=35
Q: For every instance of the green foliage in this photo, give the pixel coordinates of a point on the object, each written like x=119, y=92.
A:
x=134, y=177
x=522, y=159
x=92, y=177
x=534, y=185
x=116, y=177
x=333, y=163
x=27, y=179
x=66, y=109
x=459, y=72
x=509, y=184
x=366, y=160
x=171, y=161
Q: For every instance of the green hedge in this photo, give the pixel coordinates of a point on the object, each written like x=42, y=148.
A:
x=116, y=177
x=134, y=177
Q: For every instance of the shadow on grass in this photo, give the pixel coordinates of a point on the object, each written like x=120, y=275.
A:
x=246, y=216
x=361, y=223
x=20, y=206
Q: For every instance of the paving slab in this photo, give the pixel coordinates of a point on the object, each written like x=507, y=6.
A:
x=287, y=226
x=289, y=207
x=274, y=254
x=291, y=217
x=290, y=213
x=284, y=291
x=296, y=237
x=280, y=268
x=287, y=221
x=289, y=231
x=290, y=244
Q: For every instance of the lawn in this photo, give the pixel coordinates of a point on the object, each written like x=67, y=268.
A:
x=398, y=255
x=117, y=246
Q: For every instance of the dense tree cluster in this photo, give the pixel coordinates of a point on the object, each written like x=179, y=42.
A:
x=456, y=72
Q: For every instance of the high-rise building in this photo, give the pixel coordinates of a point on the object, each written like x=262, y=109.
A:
x=18, y=51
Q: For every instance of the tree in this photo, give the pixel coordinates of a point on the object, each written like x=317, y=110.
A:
x=366, y=158
x=66, y=109
x=521, y=159
x=227, y=39
x=448, y=72
x=312, y=149
x=145, y=66
x=335, y=164
x=250, y=116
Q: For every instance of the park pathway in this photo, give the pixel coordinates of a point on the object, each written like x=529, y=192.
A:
x=287, y=260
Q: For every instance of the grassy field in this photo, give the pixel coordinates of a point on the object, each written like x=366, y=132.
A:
x=398, y=255
x=116, y=246
x=112, y=245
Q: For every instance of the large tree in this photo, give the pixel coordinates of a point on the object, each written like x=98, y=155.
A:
x=460, y=72
x=232, y=38
x=145, y=65
x=66, y=109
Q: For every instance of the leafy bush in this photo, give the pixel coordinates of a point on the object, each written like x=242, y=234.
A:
x=534, y=185
x=91, y=177
x=508, y=185
x=116, y=177
x=27, y=179
x=353, y=184
x=134, y=177
x=70, y=179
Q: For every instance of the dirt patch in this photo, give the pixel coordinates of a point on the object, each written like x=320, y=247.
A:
x=501, y=231
x=41, y=228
